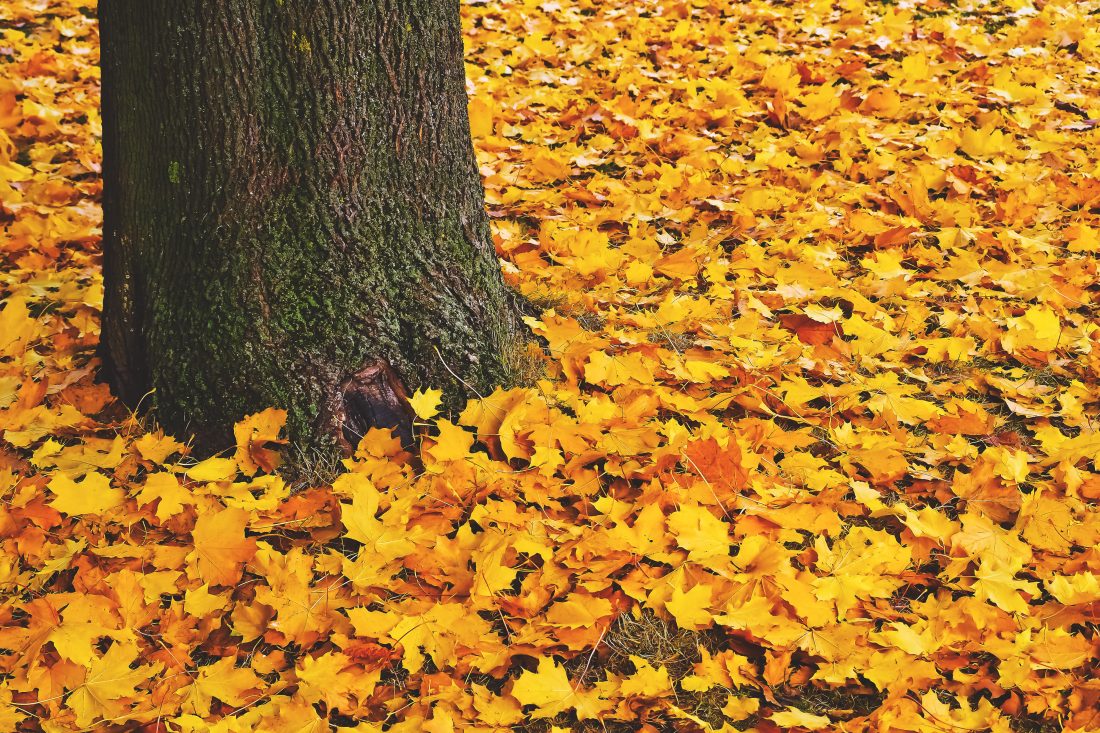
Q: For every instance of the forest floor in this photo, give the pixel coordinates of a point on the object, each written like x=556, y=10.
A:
x=816, y=445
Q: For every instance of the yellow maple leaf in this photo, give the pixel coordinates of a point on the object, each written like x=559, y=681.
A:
x=882, y=102
x=1084, y=238
x=425, y=403
x=437, y=632
x=156, y=447
x=1039, y=328
x=107, y=682
x=93, y=495
x=739, y=708
x=452, y=444
x=795, y=718
x=821, y=102
x=983, y=143
x=548, y=689
x=579, y=611
x=254, y=435
x=334, y=678
x=997, y=584
x=486, y=415
x=548, y=166
x=699, y=532
x=385, y=540
x=10, y=715
x=165, y=489
x=1080, y=588
x=481, y=117
x=646, y=681
x=213, y=470
x=221, y=548
x=781, y=77
x=691, y=609
x=914, y=67
x=1060, y=649
x=821, y=314
x=200, y=602
x=17, y=328
x=76, y=640
x=225, y=681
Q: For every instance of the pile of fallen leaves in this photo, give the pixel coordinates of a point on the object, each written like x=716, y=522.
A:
x=816, y=445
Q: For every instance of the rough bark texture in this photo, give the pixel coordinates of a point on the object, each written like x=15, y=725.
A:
x=291, y=200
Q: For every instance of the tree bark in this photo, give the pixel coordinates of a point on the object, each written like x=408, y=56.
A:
x=293, y=214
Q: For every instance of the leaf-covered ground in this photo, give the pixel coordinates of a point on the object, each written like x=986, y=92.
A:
x=816, y=445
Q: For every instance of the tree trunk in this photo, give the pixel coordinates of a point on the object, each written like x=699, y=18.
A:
x=293, y=214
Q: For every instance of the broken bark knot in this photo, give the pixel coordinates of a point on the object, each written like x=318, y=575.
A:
x=373, y=397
